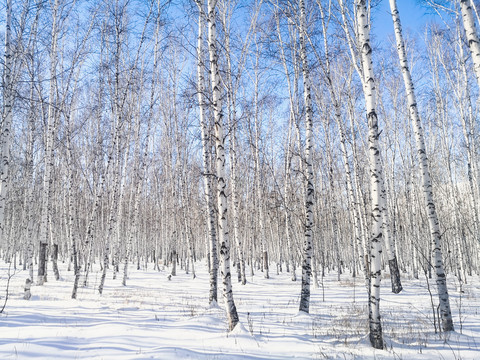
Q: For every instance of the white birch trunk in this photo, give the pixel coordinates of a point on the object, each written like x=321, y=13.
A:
x=235, y=201
x=376, y=175
x=231, y=99
x=288, y=157
x=472, y=36
x=123, y=160
x=113, y=152
x=258, y=183
x=30, y=153
x=29, y=199
x=49, y=138
x=98, y=184
x=359, y=199
x=287, y=197
x=207, y=175
x=343, y=147
x=435, y=234
x=469, y=134
x=467, y=8
x=354, y=213
x=7, y=118
x=140, y=177
x=390, y=243
x=121, y=91
x=232, y=315
x=309, y=196
x=136, y=193
x=361, y=206
x=71, y=209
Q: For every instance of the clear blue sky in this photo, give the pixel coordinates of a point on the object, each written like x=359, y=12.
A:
x=412, y=15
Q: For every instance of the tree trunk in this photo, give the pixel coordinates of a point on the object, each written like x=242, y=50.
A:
x=258, y=184
x=435, y=234
x=376, y=174
x=207, y=175
x=42, y=266
x=232, y=315
x=231, y=100
x=309, y=196
x=174, y=263
x=7, y=119
x=288, y=157
x=50, y=136
x=472, y=36
x=55, y=261
x=27, y=294
x=390, y=245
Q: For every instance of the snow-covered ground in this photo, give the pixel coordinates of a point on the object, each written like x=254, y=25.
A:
x=154, y=318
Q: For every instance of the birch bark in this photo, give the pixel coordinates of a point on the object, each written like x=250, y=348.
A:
x=142, y=168
x=258, y=192
x=352, y=206
x=7, y=118
x=207, y=176
x=232, y=315
x=376, y=175
x=114, y=151
x=49, y=138
x=309, y=196
x=232, y=121
x=429, y=203
x=388, y=240
x=469, y=133
x=288, y=155
x=30, y=147
x=71, y=208
x=472, y=35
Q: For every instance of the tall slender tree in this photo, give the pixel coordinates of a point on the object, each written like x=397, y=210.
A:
x=220, y=168
x=429, y=202
x=206, y=149
x=376, y=174
x=8, y=96
x=472, y=35
x=309, y=196
x=49, y=139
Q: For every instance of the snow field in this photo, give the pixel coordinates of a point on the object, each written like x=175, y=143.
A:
x=154, y=318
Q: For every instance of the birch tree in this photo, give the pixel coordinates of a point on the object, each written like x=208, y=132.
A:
x=223, y=240
x=309, y=196
x=359, y=66
x=29, y=158
x=8, y=93
x=289, y=145
x=206, y=147
x=335, y=98
x=376, y=175
x=429, y=202
x=141, y=154
x=258, y=168
x=472, y=35
x=114, y=153
x=232, y=83
x=71, y=208
x=122, y=83
x=49, y=139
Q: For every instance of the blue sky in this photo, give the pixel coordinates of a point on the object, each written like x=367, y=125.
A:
x=412, y=14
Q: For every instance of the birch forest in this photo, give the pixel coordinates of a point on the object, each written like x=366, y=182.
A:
x=228, y=139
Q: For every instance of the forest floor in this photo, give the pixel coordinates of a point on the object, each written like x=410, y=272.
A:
x=154, y=318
